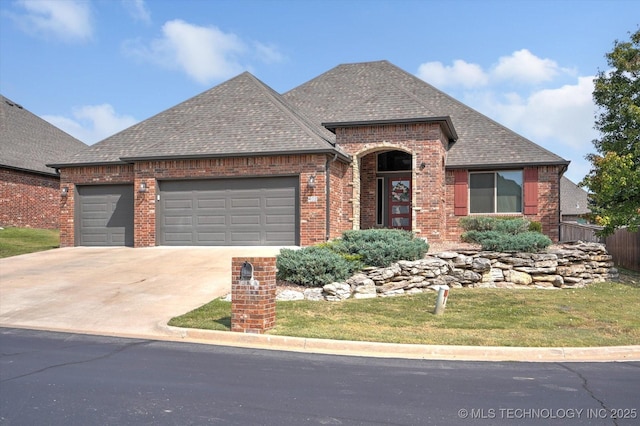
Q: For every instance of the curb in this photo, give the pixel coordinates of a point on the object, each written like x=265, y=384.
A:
x=406, y=351
x=163, y=332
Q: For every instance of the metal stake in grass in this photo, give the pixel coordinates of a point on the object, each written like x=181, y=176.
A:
x=441, y=301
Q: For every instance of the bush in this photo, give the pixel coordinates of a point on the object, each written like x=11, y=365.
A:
x=313, y=266
x=512, y=226
x=499, y=241
x=535, y=227
x=526, y=241
x=380, y=247
x=477, y=223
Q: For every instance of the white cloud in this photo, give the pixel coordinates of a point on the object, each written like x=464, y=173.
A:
x=92, y=123
x=204, y=53
x=268, y=53
x=547, y=104
x=461, y=73
x=523, y=66
x=66, y=20
x=138, y=10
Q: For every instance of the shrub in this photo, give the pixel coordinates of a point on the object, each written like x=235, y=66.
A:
x=313, y=266
x=380, y=247
x=504, y=234
x=535, y=227
x=512, y=226
x=477, y=223
x=499, y=241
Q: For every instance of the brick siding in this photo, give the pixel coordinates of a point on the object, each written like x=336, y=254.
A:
x=423, y=141
x=29, y=200
x=253, y=306
x=548, y=204
x=312, y=200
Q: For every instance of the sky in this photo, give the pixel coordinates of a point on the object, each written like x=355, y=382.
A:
x=95, y=67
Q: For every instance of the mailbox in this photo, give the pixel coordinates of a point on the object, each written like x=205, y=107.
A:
x=246, y=272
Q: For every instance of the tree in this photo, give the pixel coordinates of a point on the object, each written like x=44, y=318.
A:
x=614, y=178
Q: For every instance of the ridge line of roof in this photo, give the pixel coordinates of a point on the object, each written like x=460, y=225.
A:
x=293, y=113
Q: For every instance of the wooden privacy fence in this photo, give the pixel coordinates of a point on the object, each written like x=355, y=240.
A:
x=571, y=231
x=623, y=246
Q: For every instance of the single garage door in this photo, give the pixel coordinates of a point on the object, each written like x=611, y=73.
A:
x=246, y=211
x=104, y=215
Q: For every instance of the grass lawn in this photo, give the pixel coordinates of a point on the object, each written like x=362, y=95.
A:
x=15, y=241
x=603, y=314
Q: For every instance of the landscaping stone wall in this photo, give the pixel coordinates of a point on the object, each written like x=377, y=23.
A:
x=568, y=265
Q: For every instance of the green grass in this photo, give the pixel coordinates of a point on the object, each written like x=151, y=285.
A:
x=603, y=314
x=15, y=241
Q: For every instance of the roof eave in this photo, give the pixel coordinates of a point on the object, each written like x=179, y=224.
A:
x=340, y=155
x=445, y=121
x=37, y=172
x=505, y=166
x=88, y=164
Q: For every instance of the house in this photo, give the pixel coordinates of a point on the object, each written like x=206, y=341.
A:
x=29, y=190
x=363, y=145
x=574, y=202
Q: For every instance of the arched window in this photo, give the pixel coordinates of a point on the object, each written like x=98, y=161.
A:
x=394, y=161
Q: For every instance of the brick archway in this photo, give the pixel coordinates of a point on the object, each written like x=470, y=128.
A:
x=365, y=181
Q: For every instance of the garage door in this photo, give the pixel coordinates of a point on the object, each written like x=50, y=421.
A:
x=104, y=215
x=237, y=212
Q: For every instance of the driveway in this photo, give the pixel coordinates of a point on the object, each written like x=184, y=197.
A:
x=114, y=291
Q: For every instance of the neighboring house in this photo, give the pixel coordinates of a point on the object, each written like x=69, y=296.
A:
x=361, y=146
x=30, y=190
x=574, y=205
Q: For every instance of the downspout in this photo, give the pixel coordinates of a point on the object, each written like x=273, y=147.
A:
x=327, y=178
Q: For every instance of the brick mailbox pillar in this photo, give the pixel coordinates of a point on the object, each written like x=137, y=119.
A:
x=253, y=296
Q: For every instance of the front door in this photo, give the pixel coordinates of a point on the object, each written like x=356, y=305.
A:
x=400, y=203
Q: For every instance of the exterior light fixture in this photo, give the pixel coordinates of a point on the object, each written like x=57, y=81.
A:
x=423, y=165
x=143, y=187
x=64, y=191
x=312, y=181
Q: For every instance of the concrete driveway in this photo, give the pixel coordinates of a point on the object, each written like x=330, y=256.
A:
x=114, y=291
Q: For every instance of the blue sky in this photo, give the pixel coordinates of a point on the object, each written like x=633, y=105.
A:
x=95, y=67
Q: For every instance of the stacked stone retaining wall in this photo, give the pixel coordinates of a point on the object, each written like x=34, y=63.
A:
x=569, y=265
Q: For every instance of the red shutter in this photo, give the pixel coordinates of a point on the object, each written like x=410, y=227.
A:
x=460, y=192
x=531, y=191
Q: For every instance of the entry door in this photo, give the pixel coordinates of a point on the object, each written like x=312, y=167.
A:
x=400, y=203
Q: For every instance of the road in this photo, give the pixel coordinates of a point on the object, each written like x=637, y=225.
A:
x=69, y=379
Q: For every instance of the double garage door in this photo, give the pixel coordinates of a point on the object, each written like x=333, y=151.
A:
x=216, y=212
x=228, y=212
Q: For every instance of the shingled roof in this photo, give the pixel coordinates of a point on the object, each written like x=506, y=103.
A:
x=28, y=142
x=243, y=117
x=574, y=200
x=240, y=117
x=373, y=91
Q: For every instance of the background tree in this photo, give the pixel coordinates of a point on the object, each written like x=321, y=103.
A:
x=614, y=179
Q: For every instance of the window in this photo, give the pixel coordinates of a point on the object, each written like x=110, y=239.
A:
x=380, y=202
x=495, y=192
x=393, y=161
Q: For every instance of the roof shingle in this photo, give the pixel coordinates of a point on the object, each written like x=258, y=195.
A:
x=381, y=91
x=239, y=117
x=28, y=142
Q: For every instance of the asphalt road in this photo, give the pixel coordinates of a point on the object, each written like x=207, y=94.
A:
x=68, y=379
